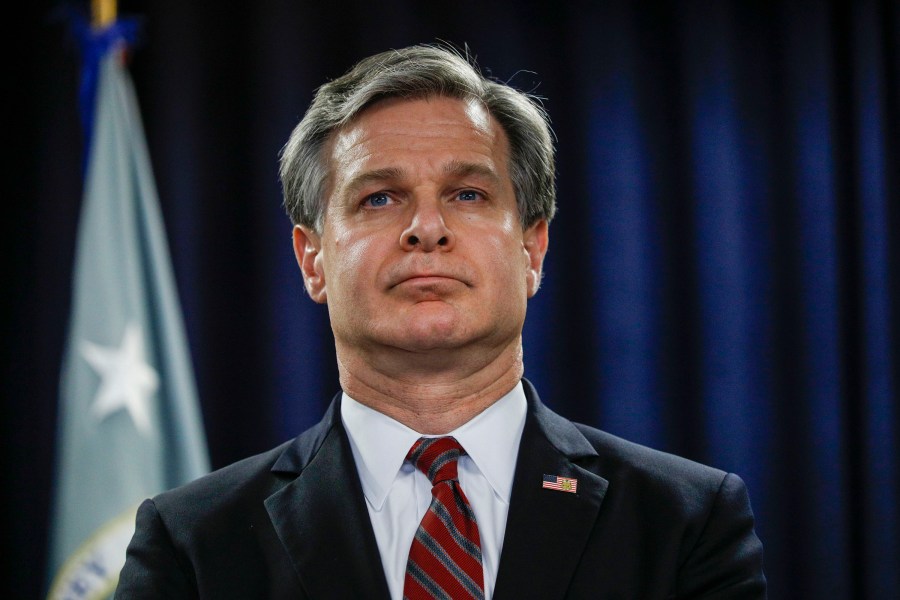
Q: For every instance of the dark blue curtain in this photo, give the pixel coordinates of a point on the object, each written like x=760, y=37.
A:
x=722, y=281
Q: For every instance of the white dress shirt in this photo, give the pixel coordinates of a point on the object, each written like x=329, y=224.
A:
x=397, y=494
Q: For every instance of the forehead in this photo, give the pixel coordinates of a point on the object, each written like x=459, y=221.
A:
x=420, y=132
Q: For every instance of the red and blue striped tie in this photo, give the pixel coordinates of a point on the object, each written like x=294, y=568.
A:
x=445, y=556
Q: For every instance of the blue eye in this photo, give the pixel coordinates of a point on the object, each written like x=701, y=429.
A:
x=377, y=200
x=469, y=196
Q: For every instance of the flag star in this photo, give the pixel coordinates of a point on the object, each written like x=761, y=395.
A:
x=127, y=381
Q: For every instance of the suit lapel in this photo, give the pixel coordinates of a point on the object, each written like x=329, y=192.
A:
x=546, y=530
x=322, y=520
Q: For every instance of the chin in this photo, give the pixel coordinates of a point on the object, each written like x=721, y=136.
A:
x=431, y=336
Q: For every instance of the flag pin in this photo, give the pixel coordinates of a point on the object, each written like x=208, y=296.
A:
x=560, y=484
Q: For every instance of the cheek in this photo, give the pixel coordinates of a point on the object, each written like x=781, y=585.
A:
x=508, y=263
x=352, y=261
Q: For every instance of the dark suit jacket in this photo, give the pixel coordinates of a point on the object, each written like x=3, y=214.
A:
x=292, y=523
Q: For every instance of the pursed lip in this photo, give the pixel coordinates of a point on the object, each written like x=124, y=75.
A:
x=427, y=277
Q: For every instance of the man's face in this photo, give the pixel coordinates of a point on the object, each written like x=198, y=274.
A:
x=422, y=247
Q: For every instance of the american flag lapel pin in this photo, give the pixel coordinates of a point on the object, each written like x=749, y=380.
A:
x=560, y=484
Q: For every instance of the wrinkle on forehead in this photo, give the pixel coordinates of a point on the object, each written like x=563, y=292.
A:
x=349, y=135
x=352, y=146
x=343, y=140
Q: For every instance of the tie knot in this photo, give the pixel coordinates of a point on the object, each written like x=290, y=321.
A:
x=436, y=458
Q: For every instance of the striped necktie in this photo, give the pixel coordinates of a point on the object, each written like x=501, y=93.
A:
x=445, y=556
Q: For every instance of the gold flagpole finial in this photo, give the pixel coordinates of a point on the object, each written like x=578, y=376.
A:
x=103, y=12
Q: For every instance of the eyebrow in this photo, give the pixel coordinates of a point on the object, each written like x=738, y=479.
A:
x=378, y=175
x=458, y=168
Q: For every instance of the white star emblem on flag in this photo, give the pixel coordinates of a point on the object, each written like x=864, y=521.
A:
x=127, y=381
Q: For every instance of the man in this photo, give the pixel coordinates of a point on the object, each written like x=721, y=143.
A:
x=421, y=194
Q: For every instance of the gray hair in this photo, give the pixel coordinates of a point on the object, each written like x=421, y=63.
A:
x=418, y=72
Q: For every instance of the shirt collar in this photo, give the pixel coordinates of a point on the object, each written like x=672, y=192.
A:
x=379, y=443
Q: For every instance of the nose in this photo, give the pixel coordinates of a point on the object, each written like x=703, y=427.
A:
x=427, y=231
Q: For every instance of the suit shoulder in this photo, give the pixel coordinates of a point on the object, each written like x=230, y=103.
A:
x=696, y=519
x=637, y=471
x=641, y=467
x=252, y=478
x=249, y=477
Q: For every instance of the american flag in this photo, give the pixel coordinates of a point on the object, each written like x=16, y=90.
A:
x=562, y=484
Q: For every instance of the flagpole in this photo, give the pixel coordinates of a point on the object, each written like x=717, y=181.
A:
x=103, y=12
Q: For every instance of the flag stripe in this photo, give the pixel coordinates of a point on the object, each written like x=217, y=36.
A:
x=563, y=484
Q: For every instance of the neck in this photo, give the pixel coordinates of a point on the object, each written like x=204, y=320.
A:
x=430, y=394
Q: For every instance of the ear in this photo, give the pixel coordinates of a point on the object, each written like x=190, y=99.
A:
x=535, y=240
x=308, y=250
